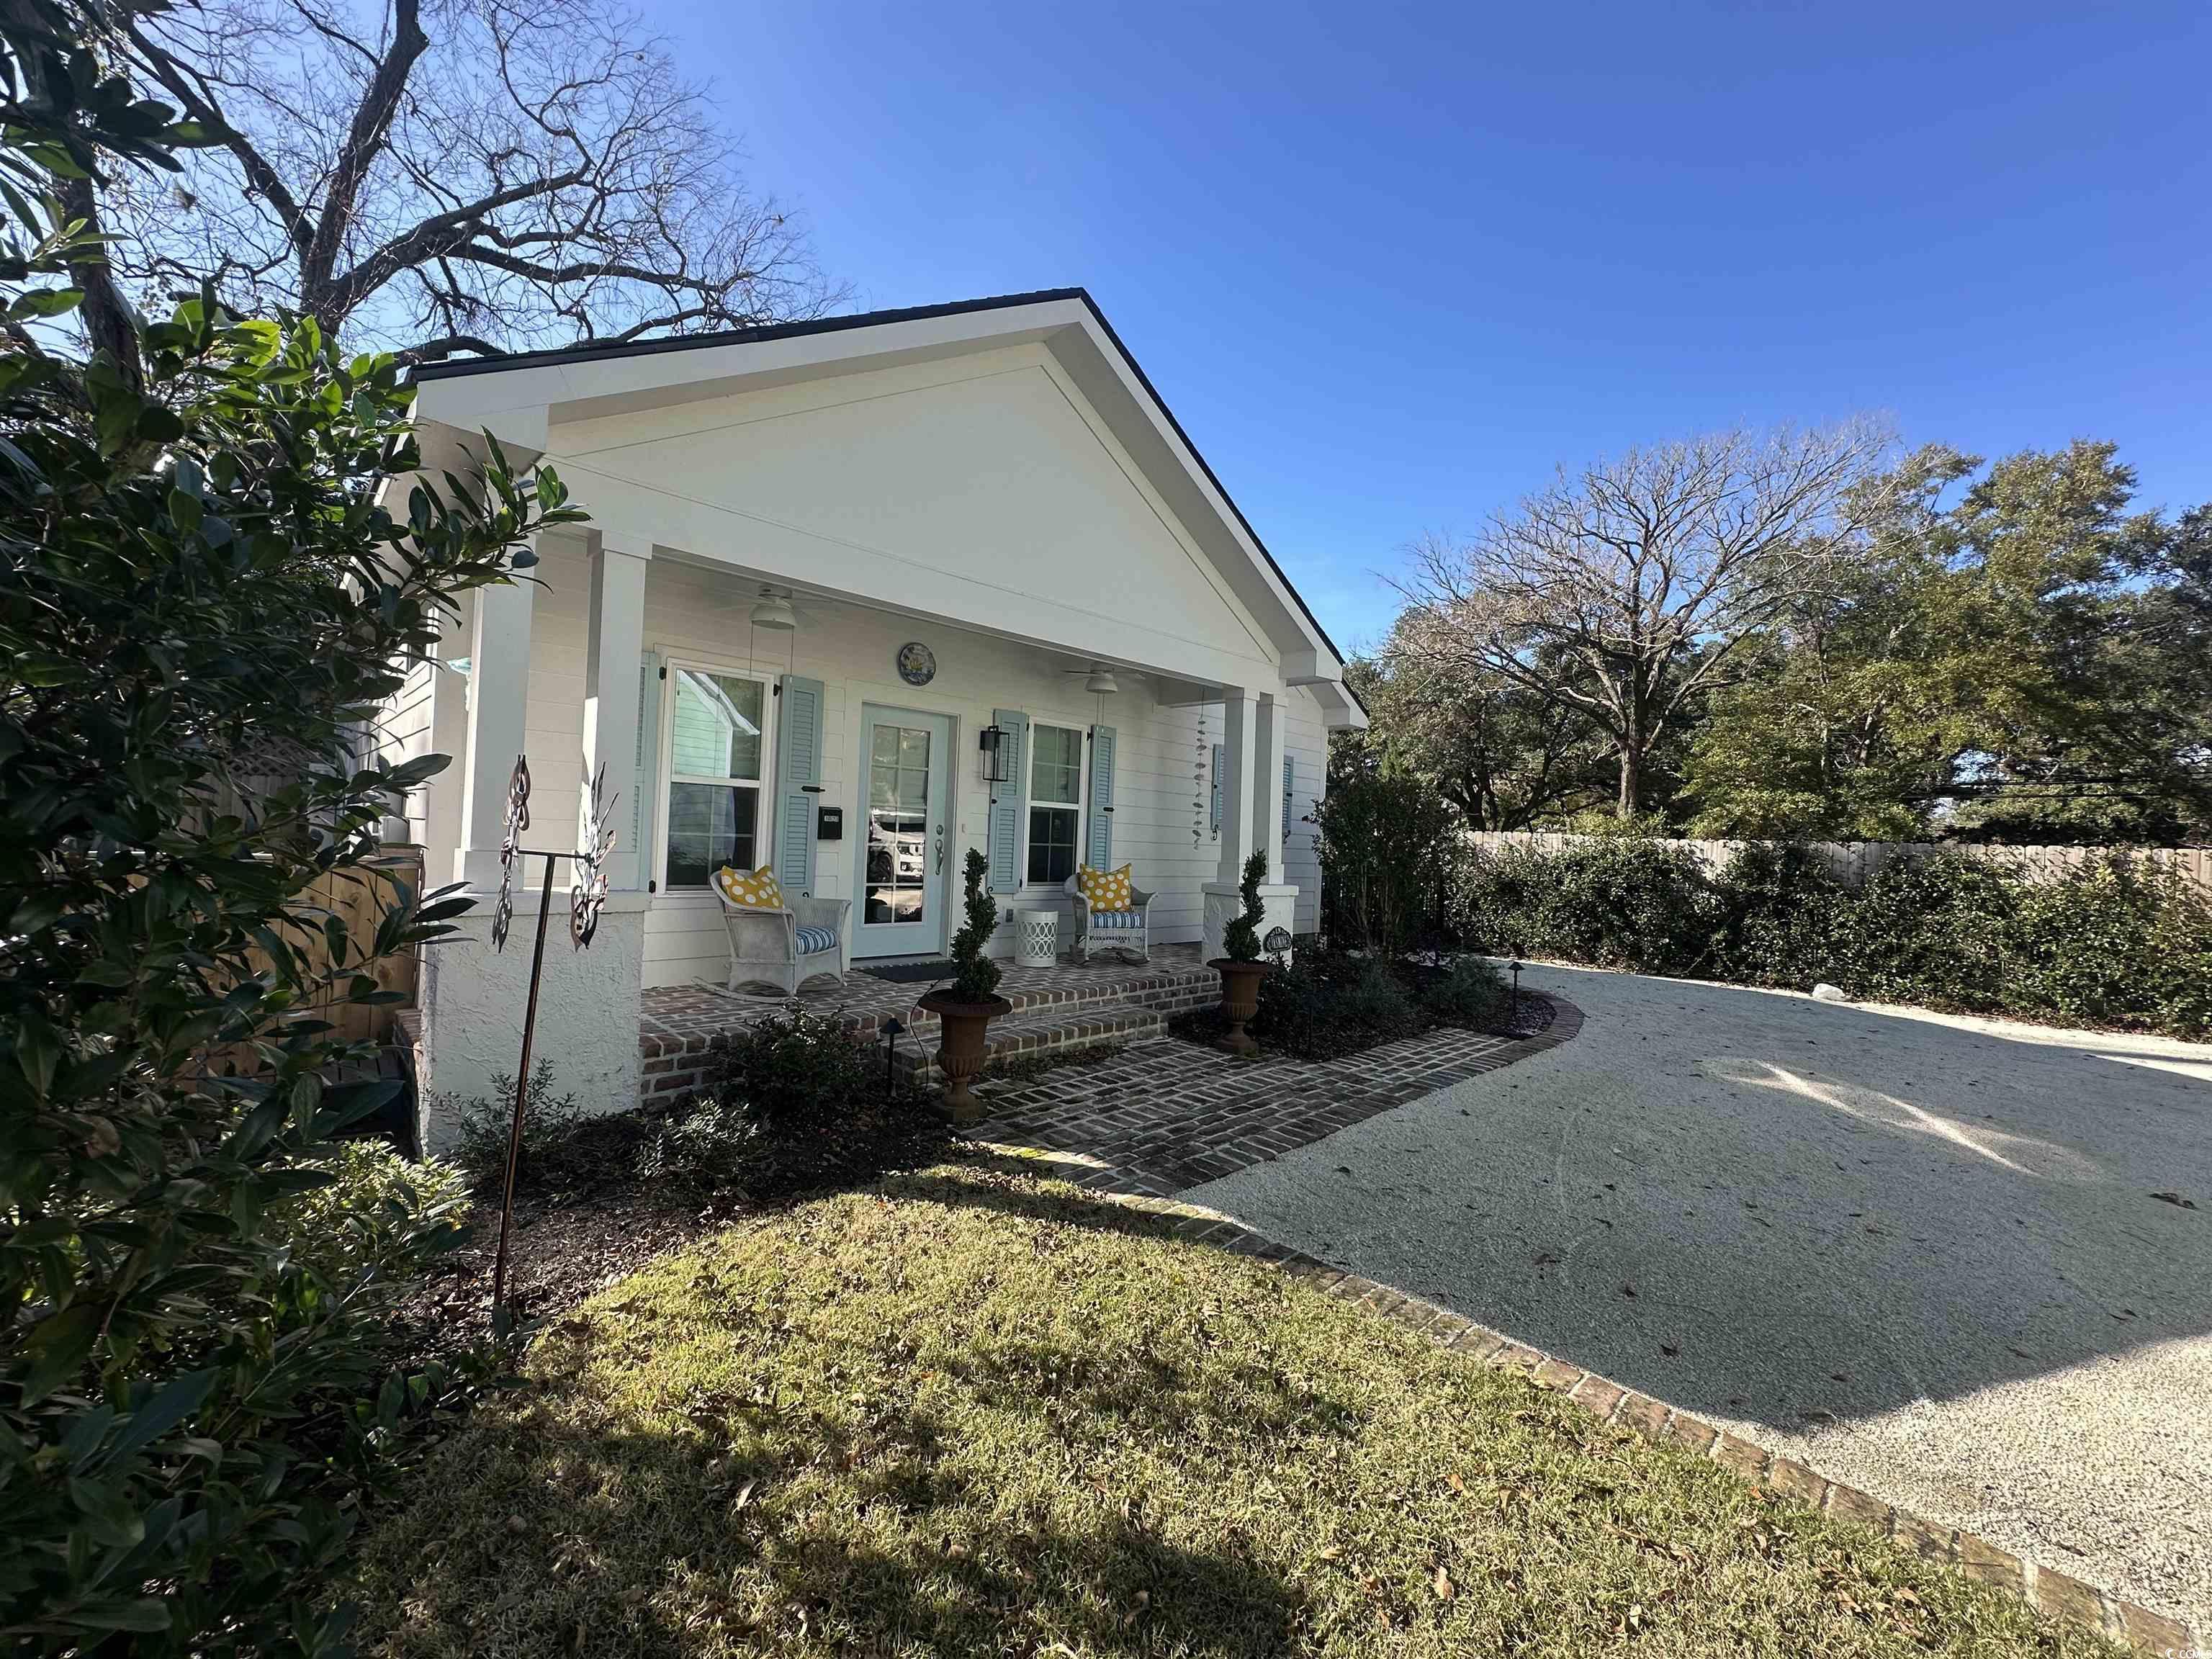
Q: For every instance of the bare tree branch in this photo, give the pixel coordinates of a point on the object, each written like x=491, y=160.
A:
x=453, y=176
x=1624, y=590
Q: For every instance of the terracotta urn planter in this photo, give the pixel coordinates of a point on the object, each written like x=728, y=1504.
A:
x=963, y=1028
x=1240, y=1000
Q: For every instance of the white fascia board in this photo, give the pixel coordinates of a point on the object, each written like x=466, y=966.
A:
x=590, y=388
x=1339, y=709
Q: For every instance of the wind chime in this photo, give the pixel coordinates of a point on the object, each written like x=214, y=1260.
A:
x=1200, y=757
x=587, y=895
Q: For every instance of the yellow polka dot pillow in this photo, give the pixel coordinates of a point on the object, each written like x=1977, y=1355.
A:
x=756, y=890
x=1104, y=889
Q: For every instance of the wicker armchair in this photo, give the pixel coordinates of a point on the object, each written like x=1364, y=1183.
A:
x=783, y=949
x=1111, y=930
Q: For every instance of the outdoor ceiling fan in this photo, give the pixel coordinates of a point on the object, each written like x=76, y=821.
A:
x=1097, y=679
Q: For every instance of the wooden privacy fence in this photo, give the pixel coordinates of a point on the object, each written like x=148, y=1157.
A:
x=1853, y=861
x=361, y=897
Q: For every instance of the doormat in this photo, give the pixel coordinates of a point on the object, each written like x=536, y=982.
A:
x=909, y=973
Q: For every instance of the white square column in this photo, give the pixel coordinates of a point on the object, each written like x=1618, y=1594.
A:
x=499, y=704
x=1239, y=721
x=1251, y=816
x=1268, y=785
x=614, y=641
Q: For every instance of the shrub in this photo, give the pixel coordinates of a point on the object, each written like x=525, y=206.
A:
x=1620, y=902
x=552, y=1158
x=195, y=562
x=792, y=1103
x=383, y=1218
x=1470, y=992
x=2114, y=944
x=976, y=978
x=1240, y=939
x=1932, y=931
x=1326, y=1004
x=1390, y=853
x=1778, y=907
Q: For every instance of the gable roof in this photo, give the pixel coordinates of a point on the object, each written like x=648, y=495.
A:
x=592, y=352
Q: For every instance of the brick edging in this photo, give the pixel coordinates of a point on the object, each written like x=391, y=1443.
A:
x=2050, y=1591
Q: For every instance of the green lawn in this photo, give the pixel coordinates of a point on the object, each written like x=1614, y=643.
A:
x=969, y=1412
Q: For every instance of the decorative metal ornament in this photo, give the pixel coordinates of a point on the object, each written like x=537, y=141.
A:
x=586, y=897
x=1277, y=942
x=588, y=891
x=510, y=849
x=917, y=663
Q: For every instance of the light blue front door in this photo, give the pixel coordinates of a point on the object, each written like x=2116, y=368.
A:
x=906, y=764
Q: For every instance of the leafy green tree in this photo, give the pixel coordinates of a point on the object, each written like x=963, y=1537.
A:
x=194, y=560
x=2025, y=663
x=1505, y=756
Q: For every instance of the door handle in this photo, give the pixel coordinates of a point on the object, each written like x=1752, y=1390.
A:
x=940, y=849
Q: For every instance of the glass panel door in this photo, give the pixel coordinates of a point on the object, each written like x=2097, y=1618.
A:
x=903, y=850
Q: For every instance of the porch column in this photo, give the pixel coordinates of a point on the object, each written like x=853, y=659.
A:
x=499, y=700
x=1268, y=785
x=614, y=640
x=1239, y=730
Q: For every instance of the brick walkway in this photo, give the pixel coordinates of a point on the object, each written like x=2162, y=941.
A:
x=1165, y=1115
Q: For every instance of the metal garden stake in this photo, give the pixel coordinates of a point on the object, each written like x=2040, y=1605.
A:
x=588, y=893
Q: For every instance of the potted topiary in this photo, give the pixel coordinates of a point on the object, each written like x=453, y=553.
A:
x=965, y=1008
x=1242, y=969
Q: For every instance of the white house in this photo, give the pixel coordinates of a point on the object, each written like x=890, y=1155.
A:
x=995, y=483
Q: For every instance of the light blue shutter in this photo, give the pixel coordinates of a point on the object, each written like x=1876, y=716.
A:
x=1100, y=855
x=798, y=781
x=645, y=774
x=1289, y=781
x=1220, y=754
x=1004, y=832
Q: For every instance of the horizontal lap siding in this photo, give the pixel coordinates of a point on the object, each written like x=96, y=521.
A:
x=402, y=733
x=1305, y=740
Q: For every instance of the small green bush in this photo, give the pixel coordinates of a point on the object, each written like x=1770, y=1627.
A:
x=382, y=1219
x=1470, y=992
x=794, y=1103
x=1932, y=931
x=1326, y=1004
x=553, y=1159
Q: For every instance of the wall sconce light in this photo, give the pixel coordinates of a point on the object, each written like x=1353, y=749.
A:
x=991, y=741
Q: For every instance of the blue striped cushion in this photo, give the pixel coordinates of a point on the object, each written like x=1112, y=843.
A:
x=814, y=939
x=1121, y=919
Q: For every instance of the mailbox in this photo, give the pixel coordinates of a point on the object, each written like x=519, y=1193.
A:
x=828, y=824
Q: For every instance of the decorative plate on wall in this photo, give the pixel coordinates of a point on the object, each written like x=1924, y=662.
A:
x=917, y=663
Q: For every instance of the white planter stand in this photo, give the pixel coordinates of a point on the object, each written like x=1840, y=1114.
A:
x=1036, y=938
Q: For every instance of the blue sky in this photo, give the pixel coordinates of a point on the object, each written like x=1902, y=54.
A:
x=1391, y=267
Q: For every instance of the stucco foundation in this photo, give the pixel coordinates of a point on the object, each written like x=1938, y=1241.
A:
x=473, y=998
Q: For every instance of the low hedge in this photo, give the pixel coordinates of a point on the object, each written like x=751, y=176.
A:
x=2116, y=944
x=1327, y=1004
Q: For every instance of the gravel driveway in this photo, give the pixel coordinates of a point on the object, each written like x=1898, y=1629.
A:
x=1928, y=1256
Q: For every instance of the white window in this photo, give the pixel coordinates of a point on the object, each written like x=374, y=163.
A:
x=1055, y=802
x=717, y=725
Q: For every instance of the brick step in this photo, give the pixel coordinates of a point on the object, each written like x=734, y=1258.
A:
x=1042, y=1030
x=1171, y=989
